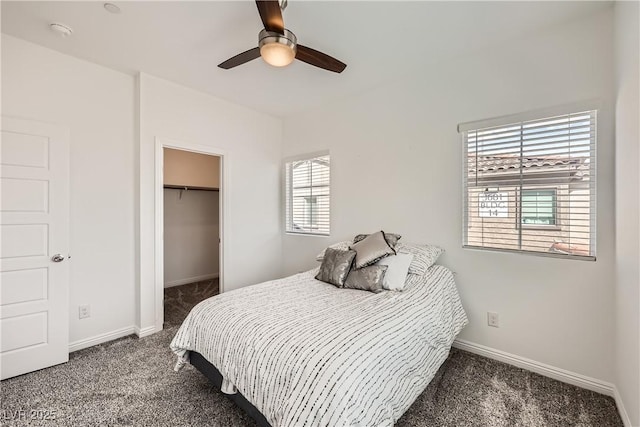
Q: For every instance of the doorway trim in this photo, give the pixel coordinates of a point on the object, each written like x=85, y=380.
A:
x=160, y=144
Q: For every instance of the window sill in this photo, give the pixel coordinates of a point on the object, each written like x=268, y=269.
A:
x=534, y=253
x=541, y=227
x=296, y=233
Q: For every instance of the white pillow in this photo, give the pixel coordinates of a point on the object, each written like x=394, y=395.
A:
x=397, y=271
x=424, y=256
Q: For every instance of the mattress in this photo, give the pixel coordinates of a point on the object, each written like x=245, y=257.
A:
x=306, y=353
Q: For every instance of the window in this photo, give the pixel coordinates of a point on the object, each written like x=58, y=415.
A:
x=539, y=207
x=307, y=186
x=529, y=184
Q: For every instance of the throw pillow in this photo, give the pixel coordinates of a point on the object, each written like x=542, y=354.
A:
x=367, y=278
x=424, y=256
x=371, y=249
x=343, y=246
x=398, y=268
x=391, y=238
x=335, y=266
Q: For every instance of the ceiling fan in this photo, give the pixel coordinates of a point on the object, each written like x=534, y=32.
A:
x=279, y=46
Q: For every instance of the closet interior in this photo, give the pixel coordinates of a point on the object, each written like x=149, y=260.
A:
x=191, y=231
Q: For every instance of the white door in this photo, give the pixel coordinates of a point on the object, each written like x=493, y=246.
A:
x=34, y=212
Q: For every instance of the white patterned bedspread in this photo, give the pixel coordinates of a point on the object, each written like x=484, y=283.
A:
x=306, y=353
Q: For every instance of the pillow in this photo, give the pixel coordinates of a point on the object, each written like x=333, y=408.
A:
x=424, y=256
x=398, y=268
x=372, y=248
x=391, y=238
x=343, y=246
x=335, y=266
x=367, y=278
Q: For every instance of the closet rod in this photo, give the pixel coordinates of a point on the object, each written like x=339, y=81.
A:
x=186, y=187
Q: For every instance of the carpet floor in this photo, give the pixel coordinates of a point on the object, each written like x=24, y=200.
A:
x=131, y=382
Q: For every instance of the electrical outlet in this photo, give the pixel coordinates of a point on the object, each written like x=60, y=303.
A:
x=84, y=311
x=493, y=319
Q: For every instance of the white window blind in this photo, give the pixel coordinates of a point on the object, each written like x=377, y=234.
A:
x=530, y=186
x=307, y=186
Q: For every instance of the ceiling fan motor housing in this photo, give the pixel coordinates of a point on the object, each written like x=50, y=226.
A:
x=277, y=49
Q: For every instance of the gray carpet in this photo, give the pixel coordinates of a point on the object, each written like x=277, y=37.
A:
x=179, y=300
x=130, y=382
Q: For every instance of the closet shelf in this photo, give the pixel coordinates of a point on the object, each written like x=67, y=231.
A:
x=188, y=187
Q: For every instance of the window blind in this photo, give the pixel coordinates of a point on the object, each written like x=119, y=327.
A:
x=530, y=186
x=307, y=186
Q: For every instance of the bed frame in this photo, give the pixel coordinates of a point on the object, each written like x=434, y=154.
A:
x=212, y=373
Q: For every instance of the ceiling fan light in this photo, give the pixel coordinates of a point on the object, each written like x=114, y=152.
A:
x=278, y=50
x=277, y=54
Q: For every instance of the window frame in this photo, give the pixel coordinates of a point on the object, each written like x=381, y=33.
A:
x=592, y=106
x=556, y=213
x=288, y=193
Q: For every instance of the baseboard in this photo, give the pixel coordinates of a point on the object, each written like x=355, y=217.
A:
x=99, y=339
x=110, y=336
x=191, y=280
x=621, y=409
x=563, y=375
x=144, y=332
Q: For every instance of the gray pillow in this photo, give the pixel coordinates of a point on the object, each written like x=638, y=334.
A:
x=371, y=249
x=367, y=278
x=343, y=246
x=391, y=238
x=335, y=266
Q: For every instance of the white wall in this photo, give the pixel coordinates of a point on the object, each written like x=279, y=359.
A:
x=97, y=104
x=627, y=307
x=191, y=232
x=112, y=177
x=396, y=165
x=252, y=144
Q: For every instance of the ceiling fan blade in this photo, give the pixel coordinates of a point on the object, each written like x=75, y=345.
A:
x=271, y=15
x=241, y=58
x=319, y=59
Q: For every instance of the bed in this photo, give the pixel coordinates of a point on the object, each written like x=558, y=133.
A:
x=301, y=352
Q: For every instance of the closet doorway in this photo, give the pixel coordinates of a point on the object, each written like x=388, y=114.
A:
x=191, y=230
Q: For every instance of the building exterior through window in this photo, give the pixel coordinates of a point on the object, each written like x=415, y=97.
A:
x=530, y=186
x=307, y=189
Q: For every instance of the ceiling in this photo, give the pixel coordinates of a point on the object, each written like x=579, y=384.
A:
x=184, y=41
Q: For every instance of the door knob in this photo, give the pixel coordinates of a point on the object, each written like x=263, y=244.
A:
x=57, y=258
